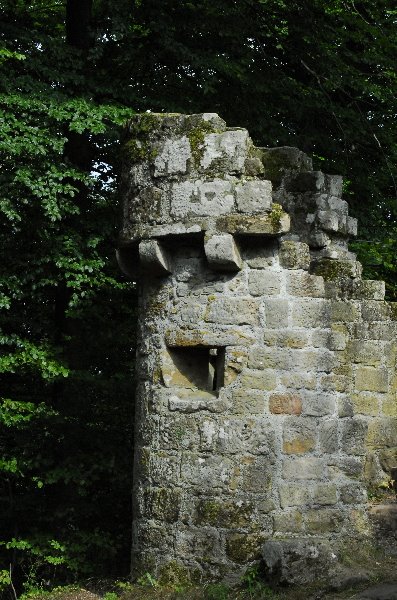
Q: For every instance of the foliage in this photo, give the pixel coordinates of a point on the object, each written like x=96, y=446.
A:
x=67, y=314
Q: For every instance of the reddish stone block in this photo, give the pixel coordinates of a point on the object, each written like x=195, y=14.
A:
x=285, y=404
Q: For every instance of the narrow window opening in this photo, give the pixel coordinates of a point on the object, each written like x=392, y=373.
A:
x=194, y=368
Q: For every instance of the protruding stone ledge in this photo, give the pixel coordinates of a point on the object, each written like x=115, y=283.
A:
x=154, y=259
x=191, y=401
x=211, y=337
x=222, y=253
x=273, y=224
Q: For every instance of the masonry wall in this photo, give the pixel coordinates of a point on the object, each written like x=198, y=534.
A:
x=266, y=397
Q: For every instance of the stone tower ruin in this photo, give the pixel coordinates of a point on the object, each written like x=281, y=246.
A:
x=266, y=383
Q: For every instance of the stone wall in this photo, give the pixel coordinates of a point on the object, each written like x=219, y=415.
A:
x=266, y=397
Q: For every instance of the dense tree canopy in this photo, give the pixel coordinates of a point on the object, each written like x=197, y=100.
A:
x=318, y=75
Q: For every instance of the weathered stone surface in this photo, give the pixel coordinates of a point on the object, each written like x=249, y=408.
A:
x=294, y=255
x=254, y=196
x=154, y=259
x=264, y=283
x=232, y=311
x=303, y=284
x=173, y=157
x=222, y=253
x=272, y=224
x=266, y=366
x=201, y=198
x=285, y=404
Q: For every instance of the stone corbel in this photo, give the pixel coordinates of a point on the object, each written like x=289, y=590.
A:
x=222, y=252
x=154, y=259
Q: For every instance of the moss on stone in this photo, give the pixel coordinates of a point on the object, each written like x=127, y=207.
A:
x=137, y=150
x=196, y=137
x=174, y=573
x=223, y=514
x=332, y=269
x=244, y=547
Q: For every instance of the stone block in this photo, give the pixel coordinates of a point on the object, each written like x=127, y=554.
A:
x=193, y=401
x=373, y=310
x=158, y=467
x=184, y=337
x=161, y=504
x=284, y=161
x=298, y=381
x=150, y=534
x=325, y=494
x=333, y=340
x=365, y=403
x=328, y=436
x=315, y=404
x=225, y=151
x=371, y=379
x=299, y=435
x=289, y=338
x=254, y=196
x=203, y=543
x=294, y=255
x=333, y=269
x=382, y=433
x=263, y=358
x=178, y=433
x=247, y=402
x=172, y=158
x=334, y=185
x=293, y=495
x=351, y=226
x=335, y=383
x=255, y=474
x=352, y=436
x=201, y=198
x=323, y=520
x=276, y=313
x=345, y=466
x=264, y=282
x=154, y=259
x=310, y=313
x=353, y=493
x=271, y=224
x=289, y=521
x=234, y=361
x=327, y=220
x=206, y=472
x=344, y=312
x=285, y=404
x=261, y=255
x=222, y=253
x=237, y=435
x=298, y=561
x=303, y=467
x=232, y=311
x=258, y=380
x=187, y=311
x=223, y=513
x=389, y=406
x=244, y=548
x=303, y=284
x=311, y=181
x=366, y=352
